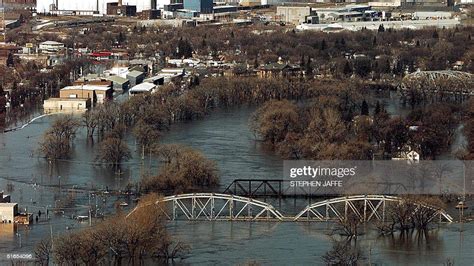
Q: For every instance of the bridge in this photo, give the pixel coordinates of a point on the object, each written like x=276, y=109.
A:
x=215, y=206
x=364, y=207
x=225, y=207
x=281, y=188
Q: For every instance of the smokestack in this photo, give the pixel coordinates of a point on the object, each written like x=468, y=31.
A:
x=97, y=6
x=119, y=2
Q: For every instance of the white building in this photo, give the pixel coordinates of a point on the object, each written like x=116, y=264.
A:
x=8, y=211
x=142, y=88
x=91, y=6
x=50, y=47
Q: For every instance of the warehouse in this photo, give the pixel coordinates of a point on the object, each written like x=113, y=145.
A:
x=89, y=7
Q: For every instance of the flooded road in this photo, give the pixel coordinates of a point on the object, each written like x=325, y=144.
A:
x=224, y=137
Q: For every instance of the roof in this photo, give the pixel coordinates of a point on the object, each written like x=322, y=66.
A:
x=275, y=66
x=51, y=43
x=67, y=100
x=8, y=204
x=88, y=87
x=135, y=73
x=117, y=79
x=143, y=87
x=154, y=78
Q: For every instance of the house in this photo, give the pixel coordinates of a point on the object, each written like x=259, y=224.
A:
x=278, y=69
x=97, y=93
x=142, y=88
x=408, y=154
x=8, y=212
x=119, y=83
x=135, y=77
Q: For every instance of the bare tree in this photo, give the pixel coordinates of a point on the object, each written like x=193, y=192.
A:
x=57, y=141
x=43, y=252
x=113, y=151
x=342, y=253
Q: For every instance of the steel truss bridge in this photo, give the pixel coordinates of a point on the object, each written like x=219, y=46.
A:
x=280, y=188
x=364, y=207
x=225, y=207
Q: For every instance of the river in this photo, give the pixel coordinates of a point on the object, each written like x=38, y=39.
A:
x=224, y=137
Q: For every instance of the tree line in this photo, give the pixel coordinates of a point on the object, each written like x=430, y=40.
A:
x=339, y=125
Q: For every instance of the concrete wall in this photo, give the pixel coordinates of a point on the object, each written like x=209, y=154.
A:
x=53, y=105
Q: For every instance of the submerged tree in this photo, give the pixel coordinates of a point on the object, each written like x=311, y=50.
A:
x=113, y=151
x=342, y=253
x=183, y=169
x=57, y=141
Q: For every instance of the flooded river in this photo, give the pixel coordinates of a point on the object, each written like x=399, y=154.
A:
x=225, y=138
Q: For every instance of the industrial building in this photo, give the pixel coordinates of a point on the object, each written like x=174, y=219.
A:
x=90, y=7
x=201, y=6
x=293, y=14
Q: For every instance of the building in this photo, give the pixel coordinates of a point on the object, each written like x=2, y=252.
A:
x=119, y=83
x=293, y=14
x=51, y=47
x=96, y=93
x=135, y=77
x=427, y=3
x=91, y=7
x=250, y=3
x=278, y=69
x=201, y=6
x=157, y=80
x=4, y=198
x=172, y=74
x=169, y=11
x=8, y=212
x=117, y=9
x=142, y=88
x=150, y=14
x=221, y=12
x=66, y=105
x=186, y=13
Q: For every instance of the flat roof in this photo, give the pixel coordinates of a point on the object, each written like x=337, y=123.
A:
x=117, y=79
x=155, y=78
x=88, y=87
x=143, y=87
x=135, y=73
x=52, y=43
x=67, y=99
x=8, y=204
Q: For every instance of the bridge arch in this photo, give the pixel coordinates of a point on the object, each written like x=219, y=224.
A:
x=373, y=207
x=215, y=207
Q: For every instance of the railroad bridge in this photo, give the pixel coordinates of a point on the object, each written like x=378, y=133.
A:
x=226, y=207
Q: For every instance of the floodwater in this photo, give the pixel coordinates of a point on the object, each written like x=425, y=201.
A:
x=224, y=137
